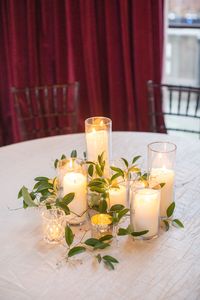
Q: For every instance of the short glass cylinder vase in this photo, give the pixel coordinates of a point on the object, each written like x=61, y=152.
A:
x=161, y=161
x=98, y=140
x=145, y=212
x=73, y=179
x=101, y=225
x=53, y=225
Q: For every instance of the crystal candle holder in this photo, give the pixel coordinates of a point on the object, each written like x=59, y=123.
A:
x=73, y=179
x=98, y=139
x=101, y=225
x=145, y=211
x=161, y=161
x=53, y=225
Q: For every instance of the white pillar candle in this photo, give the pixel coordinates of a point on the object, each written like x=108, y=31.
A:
x=74, y=182
x=163, y=175
x=98, y=139
x=145, y=208
x=118, y=195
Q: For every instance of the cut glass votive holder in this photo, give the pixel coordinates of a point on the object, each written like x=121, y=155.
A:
x=53, y=225
x=145, y=212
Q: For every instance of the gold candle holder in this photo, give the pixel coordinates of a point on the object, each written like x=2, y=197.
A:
x=101, y=225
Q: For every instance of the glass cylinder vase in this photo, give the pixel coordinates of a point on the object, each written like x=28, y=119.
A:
x=161, y=161
x=53, y=225
x=145, y=211
x=73, y=179
x=98, y=139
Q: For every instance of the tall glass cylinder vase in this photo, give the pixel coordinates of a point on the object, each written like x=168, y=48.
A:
x=161, y=161
x=73, y=179
x=98, y=139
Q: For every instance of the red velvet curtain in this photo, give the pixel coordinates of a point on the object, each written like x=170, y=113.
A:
x=111, y=47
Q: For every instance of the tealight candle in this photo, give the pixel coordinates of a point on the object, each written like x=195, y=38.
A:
x=101, y=224
x=145, y=211
x=98, y=131
x=161, y=159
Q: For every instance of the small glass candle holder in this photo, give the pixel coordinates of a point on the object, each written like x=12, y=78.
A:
x=145, y=211
x=73, y=179
x=101, y=225
x=53, y=225
x=161, y=161
x=98, y=139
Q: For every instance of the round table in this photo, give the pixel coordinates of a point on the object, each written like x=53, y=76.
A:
x=164, y=268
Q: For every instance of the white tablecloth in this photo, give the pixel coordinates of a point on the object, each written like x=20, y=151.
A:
x=164, y=268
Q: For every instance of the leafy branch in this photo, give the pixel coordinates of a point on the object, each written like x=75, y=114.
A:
x=130, y=232
x=168, y=221
x=87, y=245
x=128, y=169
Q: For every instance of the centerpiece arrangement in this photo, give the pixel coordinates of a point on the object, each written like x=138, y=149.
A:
x=90, y=190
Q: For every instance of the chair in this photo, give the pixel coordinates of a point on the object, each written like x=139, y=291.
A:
x=46, y=110
x=179, y=106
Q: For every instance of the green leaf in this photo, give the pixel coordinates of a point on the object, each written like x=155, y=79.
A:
x=19, y=194
x=91, y=242
x=27, y=198
x=56, y=163
x=170, y=209
x=162, y=184
x=118, y=170
x=76, y=250
x=134, y=169
x=24, y=204
x=122, y=231
x=101, y=245
x=84, y=154
x=117, y=207
x=103, y=206
x=63, y=156
x=166, y=224
x=139, y=233
x=48, y=206
x=74, y=153
x=98, y=257
x=122, y=213
x=125, y=161
x=44, y=185
x=69, y=236
x=98, y=170
x=135, y=159
x=63, y=206
x=91, y=170
x=178, y=222
x=97, y=189
x=109, y=265
x=115, y=176
x=68, y=198
x=110, y=258
x=41, y=178
x=106, y=238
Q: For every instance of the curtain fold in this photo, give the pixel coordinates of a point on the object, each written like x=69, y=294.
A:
x=111, y=47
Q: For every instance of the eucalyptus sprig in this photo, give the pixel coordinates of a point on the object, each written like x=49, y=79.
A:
x=89, y=245
x=64, y=157
x=168, y=221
